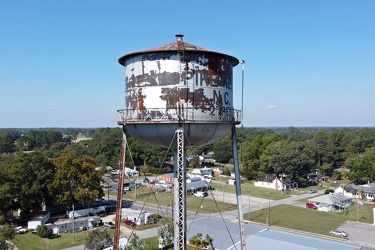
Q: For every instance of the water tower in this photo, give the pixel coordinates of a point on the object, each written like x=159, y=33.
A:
x=178, y=95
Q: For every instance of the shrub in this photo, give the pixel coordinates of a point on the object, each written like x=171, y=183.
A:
x=44, y=232
x=328, y=191
x=337, y=175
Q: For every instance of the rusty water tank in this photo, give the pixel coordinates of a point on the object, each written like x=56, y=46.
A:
x=178, y=85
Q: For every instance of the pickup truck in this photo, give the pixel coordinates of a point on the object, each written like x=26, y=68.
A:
x=200, y=194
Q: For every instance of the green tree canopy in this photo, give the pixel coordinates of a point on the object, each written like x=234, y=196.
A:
x=362, y=166
x=98, y=239
x=7, y=233
x=76, y=180
x=30, y=174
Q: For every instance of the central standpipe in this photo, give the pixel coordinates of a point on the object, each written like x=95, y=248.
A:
x=238, y=188
x=180, y=195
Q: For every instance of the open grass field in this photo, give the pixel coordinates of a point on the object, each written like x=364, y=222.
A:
x=32, y=241
x=165, y=199
x=309, y=220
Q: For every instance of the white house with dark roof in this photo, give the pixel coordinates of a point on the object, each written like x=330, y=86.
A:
x=273, y=182
x=357, y=191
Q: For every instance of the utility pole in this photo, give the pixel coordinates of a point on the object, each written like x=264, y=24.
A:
x=74, y=238
x=269, y=212
x=249, y=207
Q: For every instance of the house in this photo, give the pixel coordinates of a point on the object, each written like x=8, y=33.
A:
x=129, y=172
x=273, y=182
x=137, y=216
x=194, y=185
x=315, y=179
x=206, y=157
x=332, y=202
x=352, y=190
x=218, y=171
x=203, y=173
x=168, y=177
x=63, y=226
x=38, y=220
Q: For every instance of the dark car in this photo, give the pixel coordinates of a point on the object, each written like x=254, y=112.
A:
x=311, y=205
x=129, y=223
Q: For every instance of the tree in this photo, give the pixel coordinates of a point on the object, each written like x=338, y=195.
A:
x=144, y=170
x=166, y=234
x=201, y=243
x=76, y=180
x=7, y=233
x=106, y=145
x=43, y=231
x=223, y=150
x=6, y=190
x=323, y=148
x=42, y=139
x=362, y=166
x=135, y=243
x=6, y=145
x=98, y=239
x=30, y=174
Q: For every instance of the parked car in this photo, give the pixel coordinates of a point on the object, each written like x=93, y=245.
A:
x=200, y=194
x=20, y=230
x=338, y=233
x=312, y=191
x=109, y=224
x=129, y=223
x=311, y=205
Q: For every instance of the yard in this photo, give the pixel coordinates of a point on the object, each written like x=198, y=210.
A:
x=194, y=204
x=310, y=220
x=32, y=241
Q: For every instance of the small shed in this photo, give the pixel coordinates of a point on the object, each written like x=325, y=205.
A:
x=38, y=221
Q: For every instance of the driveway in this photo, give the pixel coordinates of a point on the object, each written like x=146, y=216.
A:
x=360, y=233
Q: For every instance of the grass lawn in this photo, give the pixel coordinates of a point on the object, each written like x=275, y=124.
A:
x=248, y=187
x=309, y=220
x=32, y=241
x=194, y=204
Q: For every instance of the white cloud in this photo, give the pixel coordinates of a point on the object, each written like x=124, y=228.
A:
x=271, y=106
x=315, y=78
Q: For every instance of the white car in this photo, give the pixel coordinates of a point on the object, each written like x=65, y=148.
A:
x=339, y=233
x=20, y=230
x=312, y=191
x=109, y=224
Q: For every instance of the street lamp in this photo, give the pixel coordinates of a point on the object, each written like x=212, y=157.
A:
x=223, y=194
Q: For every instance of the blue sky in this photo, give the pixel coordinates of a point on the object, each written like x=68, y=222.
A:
x=308, y=63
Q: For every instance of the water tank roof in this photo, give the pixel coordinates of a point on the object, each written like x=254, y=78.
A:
x=178, y=45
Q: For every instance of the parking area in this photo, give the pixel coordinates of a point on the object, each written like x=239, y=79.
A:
x=360, y=233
